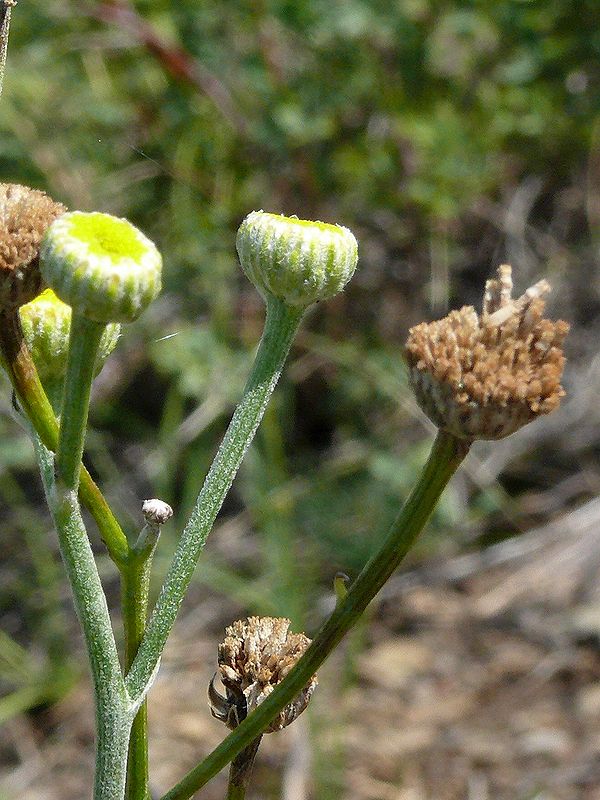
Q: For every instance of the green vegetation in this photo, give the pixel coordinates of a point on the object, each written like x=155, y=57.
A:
x=416, y=124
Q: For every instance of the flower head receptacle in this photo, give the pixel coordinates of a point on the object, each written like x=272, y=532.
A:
x=46, y=323
x=256, y=655
x=484, y=376
x=297, y=261
x=25, y=215
x=102, y=266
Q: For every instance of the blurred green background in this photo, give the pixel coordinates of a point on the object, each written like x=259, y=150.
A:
x=449, y=136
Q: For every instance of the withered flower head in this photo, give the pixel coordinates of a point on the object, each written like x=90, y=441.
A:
x=256, y=654
x=25, y=215
x=485, y=376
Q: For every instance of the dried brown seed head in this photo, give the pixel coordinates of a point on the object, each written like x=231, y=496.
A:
x=256, y=654
x=485, y=376
x=25, y=215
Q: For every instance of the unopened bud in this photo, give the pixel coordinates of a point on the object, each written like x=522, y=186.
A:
x=156, y=511
x=299, y=262
x=46, y=323
x=102, y=266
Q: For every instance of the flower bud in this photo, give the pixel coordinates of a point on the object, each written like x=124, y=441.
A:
x=485, y=376
x=156, y=512
x=25, y=215
x=46, y=323
x=256, y=655
x=102, y=266
x=297, y=261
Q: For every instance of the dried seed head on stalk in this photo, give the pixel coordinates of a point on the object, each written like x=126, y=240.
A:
x=25, y=215
x=256, y=654
x=485, y=376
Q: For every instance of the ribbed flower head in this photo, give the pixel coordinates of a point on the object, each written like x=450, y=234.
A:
x=102, y=266
x=297, y=261
x=46, y=323
x=25, y=215
x=256, y=654
x=485, y=376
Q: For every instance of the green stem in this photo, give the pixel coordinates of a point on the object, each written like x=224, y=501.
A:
x=113, y=708
x=137, y=760
x=135, y=584
x=281, y=325
x=26, y=383
x=240, y=771
x=446, y=456
x=83, y=348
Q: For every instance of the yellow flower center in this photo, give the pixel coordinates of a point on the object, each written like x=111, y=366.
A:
x=107, y=236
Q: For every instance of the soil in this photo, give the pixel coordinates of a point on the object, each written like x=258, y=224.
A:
x=460, y=687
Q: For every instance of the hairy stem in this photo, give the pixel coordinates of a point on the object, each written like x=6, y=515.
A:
x=446, y=456
x=26, y=383
x=135, y=584
x=281, y=325
x=113, y=709
x=83, y=349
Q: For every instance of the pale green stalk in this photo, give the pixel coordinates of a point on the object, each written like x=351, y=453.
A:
x=135, y=585
x=83, y=349
x=446, y=456
x=114, y=712
x=281, y=325
x=114, y=715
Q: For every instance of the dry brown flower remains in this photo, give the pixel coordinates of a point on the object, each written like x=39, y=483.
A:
x=25, y=215
x=256, y=654
x=485, y=376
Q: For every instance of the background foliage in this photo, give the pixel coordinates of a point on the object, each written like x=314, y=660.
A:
x=449, y=136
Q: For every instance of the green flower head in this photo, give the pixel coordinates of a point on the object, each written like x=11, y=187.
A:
x=102, y=266
x=46, y=322
x=298, y=261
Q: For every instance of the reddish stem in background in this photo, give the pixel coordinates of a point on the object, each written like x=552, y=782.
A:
x=175, y=60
